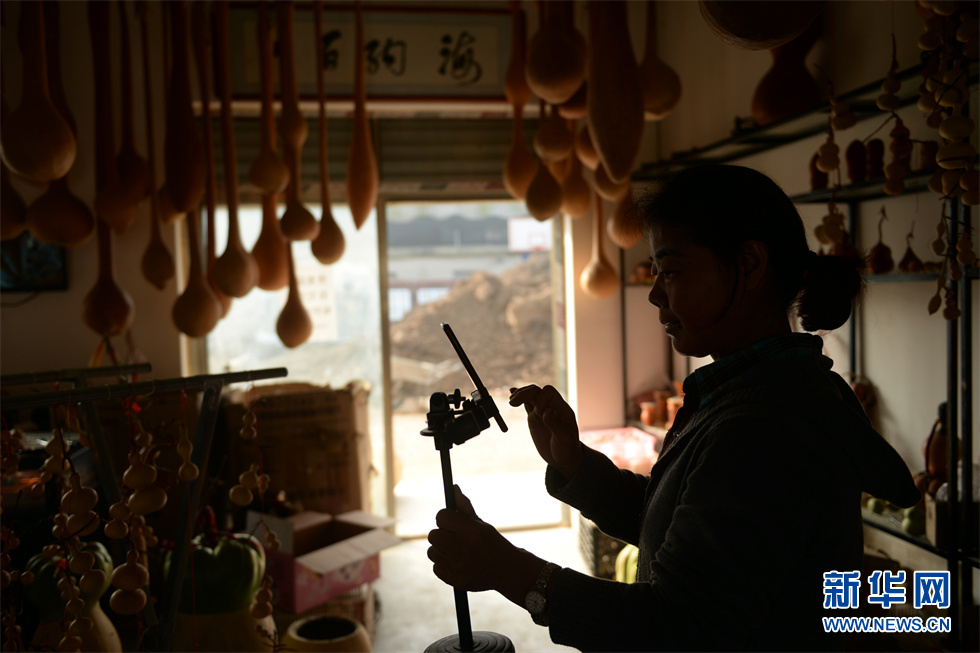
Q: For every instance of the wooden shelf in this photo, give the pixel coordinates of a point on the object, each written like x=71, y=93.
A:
x=748, y=139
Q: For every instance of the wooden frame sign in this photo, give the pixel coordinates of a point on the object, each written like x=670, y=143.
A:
x=422, y=54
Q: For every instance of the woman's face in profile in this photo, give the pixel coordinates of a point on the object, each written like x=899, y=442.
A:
x=694, y=292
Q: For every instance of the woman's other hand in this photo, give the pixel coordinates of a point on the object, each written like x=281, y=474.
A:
x=553, y=426
x=469, y=554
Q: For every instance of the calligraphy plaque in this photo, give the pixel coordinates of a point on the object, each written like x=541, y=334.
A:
x=422, y=54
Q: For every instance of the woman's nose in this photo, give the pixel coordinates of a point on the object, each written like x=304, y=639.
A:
x=657, y=297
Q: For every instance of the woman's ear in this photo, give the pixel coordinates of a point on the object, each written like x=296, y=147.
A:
x=753, y=258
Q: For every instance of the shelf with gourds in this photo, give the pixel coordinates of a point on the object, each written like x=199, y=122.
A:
x=947, y=169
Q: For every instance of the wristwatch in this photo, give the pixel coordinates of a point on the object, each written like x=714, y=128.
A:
x=536, y=599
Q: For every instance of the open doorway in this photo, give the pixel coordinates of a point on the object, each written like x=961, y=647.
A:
x=493, y=273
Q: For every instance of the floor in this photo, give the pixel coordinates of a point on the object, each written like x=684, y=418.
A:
x=417, y=609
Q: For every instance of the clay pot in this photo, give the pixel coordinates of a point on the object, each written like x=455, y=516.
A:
x=326, y=633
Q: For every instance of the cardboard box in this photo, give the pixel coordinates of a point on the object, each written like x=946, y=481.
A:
x=322, y=556
x=314, y=443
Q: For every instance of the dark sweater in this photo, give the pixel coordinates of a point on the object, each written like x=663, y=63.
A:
x=755, y=495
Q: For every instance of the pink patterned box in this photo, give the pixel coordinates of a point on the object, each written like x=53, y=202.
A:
x=322, y=556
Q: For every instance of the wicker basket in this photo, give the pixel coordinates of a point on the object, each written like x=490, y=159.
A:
x=598, y=550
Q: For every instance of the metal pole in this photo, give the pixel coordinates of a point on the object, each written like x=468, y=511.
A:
x=464, y=626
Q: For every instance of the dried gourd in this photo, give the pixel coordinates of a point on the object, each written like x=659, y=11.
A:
x=910, y=263
x=880, y=257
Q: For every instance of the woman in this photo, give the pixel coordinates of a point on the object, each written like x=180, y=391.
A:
x=756, y=493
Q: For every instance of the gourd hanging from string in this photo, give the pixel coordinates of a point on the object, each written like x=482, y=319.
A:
x=362, y=167
x=296, y=222
x=329, y=244
x=520, y=165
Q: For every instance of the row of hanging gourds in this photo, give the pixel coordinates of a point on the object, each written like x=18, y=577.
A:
x=39, y=146
x=599, y=80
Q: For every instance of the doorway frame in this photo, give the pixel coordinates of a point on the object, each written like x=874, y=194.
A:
x=558, y=245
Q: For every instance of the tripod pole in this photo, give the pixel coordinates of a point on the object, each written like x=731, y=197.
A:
x=463, y=625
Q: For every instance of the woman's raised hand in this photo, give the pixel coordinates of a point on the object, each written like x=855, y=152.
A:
x=553, y=426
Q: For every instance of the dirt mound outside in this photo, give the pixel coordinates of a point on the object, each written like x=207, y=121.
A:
x=504, y=324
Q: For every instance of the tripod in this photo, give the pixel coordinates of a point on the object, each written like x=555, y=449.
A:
x=453, y=419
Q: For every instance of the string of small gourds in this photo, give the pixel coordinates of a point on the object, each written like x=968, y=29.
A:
x=241, y=494
x=144, y=494
x=952, y=39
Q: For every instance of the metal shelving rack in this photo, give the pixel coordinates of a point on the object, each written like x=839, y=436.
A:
x=746, y=140
x=84, y=395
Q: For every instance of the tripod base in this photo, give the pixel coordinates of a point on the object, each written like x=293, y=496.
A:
x=483, y=641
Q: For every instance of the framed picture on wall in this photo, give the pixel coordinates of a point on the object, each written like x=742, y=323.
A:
x=28, y=265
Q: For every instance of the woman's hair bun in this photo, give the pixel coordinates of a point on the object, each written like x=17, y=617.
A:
x=831, y=285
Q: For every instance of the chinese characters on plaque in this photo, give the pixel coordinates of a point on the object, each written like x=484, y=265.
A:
x=410, y=54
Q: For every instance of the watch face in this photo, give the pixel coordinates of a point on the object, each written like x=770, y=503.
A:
x=535, y=602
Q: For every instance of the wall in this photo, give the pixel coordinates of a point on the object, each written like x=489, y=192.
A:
x=47, y=332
